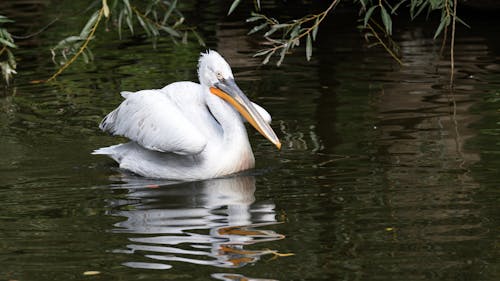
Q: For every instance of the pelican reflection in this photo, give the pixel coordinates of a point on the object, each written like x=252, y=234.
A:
x=207, y=222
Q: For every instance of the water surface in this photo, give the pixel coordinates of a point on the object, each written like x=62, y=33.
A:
x=384, y=174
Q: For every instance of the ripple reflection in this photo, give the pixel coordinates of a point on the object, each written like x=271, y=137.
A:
x=206, y=223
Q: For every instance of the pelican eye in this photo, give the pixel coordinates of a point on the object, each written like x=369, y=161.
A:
x=219, y=76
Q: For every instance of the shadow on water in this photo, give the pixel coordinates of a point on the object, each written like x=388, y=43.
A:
x=214, y=222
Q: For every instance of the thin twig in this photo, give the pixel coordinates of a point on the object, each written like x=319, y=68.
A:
x=321, y=16
x=452, y=43
x=145, y=17
x=445, y=34
x=443, y=44
x=82, y=48
x=3, y=49
x=458, y=140
x=393, y=55
x=24, y=37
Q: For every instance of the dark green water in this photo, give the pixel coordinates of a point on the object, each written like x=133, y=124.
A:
x=383, y=174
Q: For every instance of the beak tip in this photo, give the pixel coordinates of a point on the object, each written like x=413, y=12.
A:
x=278, y=145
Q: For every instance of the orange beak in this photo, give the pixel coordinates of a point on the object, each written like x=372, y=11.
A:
x=231, y=93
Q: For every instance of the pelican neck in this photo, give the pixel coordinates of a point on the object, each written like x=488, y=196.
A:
x=227, y=116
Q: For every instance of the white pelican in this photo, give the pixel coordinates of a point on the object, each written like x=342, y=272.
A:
x=187, y=131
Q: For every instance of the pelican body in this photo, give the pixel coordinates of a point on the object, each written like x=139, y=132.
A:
x=186, y=130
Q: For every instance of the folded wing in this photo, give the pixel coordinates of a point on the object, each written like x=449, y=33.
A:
x=157, y=122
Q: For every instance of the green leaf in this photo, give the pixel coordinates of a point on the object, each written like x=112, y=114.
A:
x=67, y=41
x=257, y=28
x=373, y=45
x=363, y=4
x=88, y=26
x=120, y=22
x=308, y=47
x=89, y=53
x=85, y=57
x=170, y=30
x=7, y=43
x=436, y=3
x=315, y=29
x=7, y=71
x=174, y=40
x=281, y=25
x=386, y=19
x=169, y=11
x=444, y=22
x=397, y=6
x=144, y=26
x=4, y=19
x=271, y=31
x=462, y=22
x=282, y=54
x=127, y=5
x=105, y=8
x=200, y=40
x=369, y=14
x=295, y=31
x=422, y=7
x=153, y=29
x=233, y=6
x=178, y=22
x=252, y=19
x=263, y=52
x=266, y=59
x=128, y=19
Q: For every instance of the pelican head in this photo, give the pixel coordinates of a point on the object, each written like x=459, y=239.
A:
x=215, y=73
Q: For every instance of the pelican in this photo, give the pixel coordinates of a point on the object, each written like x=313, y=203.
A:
x=188, y=131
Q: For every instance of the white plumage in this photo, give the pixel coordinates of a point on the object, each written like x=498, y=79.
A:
x=187, y=131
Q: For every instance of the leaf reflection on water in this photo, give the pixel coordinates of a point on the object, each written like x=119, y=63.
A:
x=206, y=223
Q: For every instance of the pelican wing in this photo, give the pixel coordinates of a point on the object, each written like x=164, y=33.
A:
x=157, y=122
